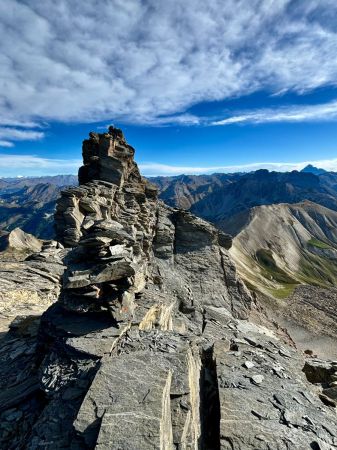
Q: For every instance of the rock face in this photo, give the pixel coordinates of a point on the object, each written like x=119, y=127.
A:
x=149, y=345
x=29, y=286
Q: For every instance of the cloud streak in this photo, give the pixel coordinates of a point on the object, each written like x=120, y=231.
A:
x=15, y=134
x=303, y=113
x=29, y=165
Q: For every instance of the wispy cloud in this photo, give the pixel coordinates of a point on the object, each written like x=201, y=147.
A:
x=163, y=121
x=21, y=124
x=6, y=144
x=303, y=113
x=149, y=61
x=28, y=165
x=13, y=130
x=15, y=134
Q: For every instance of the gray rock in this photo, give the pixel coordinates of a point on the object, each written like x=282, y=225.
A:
x=249, y=364
x=18, y=240
x=257, y=379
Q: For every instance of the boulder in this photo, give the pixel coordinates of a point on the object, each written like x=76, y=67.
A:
x=18, y=240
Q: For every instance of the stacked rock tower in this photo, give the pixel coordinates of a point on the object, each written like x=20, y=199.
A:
x=110, y=219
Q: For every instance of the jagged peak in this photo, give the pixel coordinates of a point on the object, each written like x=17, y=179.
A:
x=309, y=168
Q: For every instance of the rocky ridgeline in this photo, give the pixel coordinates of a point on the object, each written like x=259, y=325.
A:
x=149, y=345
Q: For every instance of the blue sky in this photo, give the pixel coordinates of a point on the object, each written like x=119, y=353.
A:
x=197, y=87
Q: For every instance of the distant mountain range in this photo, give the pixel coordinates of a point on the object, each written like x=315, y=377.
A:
x=265, y=188
x=219, y=197
x=20, y=182
x=29, y=203
x=224, y=199
x=183, y=191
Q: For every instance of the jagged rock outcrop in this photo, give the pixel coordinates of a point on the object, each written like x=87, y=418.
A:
x=19, y=241
x=149, y=346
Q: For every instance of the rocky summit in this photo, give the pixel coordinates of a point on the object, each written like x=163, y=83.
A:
x=150, y=344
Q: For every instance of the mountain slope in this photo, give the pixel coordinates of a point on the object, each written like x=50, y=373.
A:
x=31, y=208
x=287, y=255
x=284, y=245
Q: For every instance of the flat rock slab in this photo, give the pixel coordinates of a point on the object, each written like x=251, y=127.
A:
x=128, y=405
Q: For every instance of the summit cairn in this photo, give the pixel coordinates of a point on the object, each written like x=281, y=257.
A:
x=110, y=219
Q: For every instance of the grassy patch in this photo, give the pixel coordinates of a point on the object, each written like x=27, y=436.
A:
x=283, y=292
x=270, y=270
x=318, y=244
x=318, y=271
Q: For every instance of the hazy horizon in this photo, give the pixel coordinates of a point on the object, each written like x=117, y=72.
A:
x=171, y=171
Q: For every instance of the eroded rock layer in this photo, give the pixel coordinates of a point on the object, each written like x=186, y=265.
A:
x=149, y=345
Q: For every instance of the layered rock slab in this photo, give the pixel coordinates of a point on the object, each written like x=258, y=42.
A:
x=31, y=285
x=133, y=394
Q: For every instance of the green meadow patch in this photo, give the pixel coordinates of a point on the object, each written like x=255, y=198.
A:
x=318, y=244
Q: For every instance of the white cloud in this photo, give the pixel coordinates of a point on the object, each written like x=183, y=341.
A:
x=22, y=124
x=6, y=144
x=148, y=61
x=303, y=113
x=162, y=121
x=15, y=134
x=156, y=169
x=28, y=165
